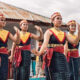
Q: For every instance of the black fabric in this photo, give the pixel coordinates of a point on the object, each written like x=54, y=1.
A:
x=27, y=43
x=59, y=69
x=23, y=71
x=74, y=68
x=70, y=46
x=79, y=67
x=53, y=40
x=3, y=44
x=4, y=67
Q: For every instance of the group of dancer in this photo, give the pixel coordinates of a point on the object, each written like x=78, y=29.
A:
x=59, y=50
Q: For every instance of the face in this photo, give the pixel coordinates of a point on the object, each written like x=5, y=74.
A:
x=2, y=22
x=57, y=21
x=24, y=26
x=72, y=28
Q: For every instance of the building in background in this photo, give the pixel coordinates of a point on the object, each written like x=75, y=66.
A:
x=14, y=15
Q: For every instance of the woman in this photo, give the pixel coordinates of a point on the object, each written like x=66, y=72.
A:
x=55, y=62
x=4, y=36
x=73, y=54
x=22, y=56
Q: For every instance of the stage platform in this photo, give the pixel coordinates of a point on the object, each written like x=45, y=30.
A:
x=37, y=79
x=33, y=79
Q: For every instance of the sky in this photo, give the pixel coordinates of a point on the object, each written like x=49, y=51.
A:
x=69, y=9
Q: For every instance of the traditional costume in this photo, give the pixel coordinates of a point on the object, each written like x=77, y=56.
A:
x=73, y=55
x=4, y=35
x=22, y=57
x=54, y=60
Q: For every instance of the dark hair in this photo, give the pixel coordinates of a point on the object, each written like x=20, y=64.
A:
x=68, y=28
x=41, y=40
x=52, y=24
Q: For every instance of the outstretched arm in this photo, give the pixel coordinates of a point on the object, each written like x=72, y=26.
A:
x=16, y=37
x=46, y=41
x=36, y=37
x=44, y=45
x=12, y=51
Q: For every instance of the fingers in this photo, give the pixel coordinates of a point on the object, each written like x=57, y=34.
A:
x=78, y=27
x=10, y=58
x=37, y=27
x=33, y=51
x=15, y=28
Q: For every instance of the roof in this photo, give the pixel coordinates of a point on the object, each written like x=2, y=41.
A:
x=12, y=12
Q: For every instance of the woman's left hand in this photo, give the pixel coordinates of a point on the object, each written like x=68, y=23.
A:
x=35, y=52
x=78, y=30
x=10, y=58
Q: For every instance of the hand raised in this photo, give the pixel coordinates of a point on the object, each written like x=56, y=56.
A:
x=78, y=27
x=17, y=30
x=38, y=28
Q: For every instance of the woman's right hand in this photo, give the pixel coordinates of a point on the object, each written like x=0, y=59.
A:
x=17, y=35
x=17, y=30
x=38, y=28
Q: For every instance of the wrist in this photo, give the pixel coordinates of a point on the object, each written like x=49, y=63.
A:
x=41, y=53
x=40, y=30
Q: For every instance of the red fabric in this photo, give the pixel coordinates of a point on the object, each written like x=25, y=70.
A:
x=3, y=51
x=17, y=56
x=74, y=54
x=48, y=56
x=10, y=75
x=0, y=61
x=68, y=56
